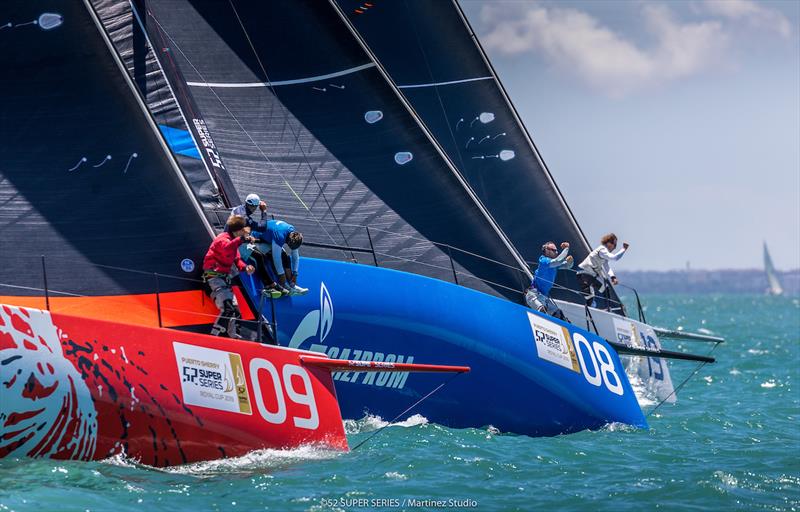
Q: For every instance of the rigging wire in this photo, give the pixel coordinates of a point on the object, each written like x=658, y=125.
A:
x=437, y=388
x=241, y=126
x=295, y=134
x=677, y=388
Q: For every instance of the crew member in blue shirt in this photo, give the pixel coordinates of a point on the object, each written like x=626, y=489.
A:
x=538, y=295
x=278, y=234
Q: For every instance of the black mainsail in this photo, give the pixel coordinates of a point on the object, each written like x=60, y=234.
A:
x=86, y=178
x=434, y=58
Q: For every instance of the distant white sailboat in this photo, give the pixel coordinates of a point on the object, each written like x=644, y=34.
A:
x=775, y=287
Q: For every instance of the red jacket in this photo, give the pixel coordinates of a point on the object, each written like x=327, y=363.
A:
x=223, y=254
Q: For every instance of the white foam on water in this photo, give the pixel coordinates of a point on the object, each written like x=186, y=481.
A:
x=370, y=422
x=618, y=427
x=122, y=460
x=257, y=460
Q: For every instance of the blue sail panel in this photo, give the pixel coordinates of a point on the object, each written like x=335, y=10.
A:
x=179, y=141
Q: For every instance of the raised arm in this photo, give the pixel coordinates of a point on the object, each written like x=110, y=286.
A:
x=560, y=259
x=612, y=256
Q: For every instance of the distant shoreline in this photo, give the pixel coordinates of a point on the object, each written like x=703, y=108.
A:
x=744, y=281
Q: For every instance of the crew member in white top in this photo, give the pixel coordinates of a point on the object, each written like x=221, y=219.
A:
x=595, y=273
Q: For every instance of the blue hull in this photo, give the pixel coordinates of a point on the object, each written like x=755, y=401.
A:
x=531, y=374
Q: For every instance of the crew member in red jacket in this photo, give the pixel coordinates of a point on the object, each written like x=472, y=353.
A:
x=222, y=256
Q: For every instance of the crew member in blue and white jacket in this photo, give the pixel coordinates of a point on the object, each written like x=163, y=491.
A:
x=538, y=295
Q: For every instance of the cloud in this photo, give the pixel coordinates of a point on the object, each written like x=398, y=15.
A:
x=750, y=12
x=578, y=43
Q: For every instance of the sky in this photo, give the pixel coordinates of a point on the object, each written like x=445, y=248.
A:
x=674, y=124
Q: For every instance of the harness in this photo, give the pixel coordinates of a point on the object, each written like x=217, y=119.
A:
x=211, y=274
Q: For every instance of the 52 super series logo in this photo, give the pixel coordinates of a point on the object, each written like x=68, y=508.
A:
x=212, y=378
x=318, y=324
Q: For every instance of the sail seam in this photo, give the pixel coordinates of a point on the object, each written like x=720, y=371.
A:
x=451, y=82
x=277, y=83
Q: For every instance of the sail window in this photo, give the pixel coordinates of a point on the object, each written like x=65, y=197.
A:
x=49, y=20
x=403, y=157
x=373, y=116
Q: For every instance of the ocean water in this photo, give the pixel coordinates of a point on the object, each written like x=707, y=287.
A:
x=731, y=442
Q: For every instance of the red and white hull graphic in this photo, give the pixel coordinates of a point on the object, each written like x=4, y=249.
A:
x=77, y=388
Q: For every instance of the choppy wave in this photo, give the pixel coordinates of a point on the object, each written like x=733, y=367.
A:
x=728, y=444
x=370, y=423
x=252, y=462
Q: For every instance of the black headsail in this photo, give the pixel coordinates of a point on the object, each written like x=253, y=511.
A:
x=178, y=123
x=85, y=179
x=301, y=114
x=435, y=60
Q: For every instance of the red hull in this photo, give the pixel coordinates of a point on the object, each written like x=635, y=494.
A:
x=80, y=388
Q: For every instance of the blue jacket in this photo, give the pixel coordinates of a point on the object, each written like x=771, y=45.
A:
x=276, y=233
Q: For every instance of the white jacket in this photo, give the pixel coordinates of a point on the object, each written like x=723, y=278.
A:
x=596, y=263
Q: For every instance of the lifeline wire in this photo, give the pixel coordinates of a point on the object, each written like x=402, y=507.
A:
x=437, y=388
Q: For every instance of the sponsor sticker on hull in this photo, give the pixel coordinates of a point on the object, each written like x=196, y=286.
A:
x=626, y=333
x=212, y=378
x=553, y=343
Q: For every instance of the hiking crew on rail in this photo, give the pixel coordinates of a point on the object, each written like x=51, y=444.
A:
x=594, y=272
x=538, y=295
x=218, y=268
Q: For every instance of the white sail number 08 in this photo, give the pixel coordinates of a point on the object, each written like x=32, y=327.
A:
x=306, y=397
x=604, y=372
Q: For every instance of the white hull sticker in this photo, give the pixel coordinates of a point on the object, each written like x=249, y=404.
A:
x=212, y=378
x=553, y=342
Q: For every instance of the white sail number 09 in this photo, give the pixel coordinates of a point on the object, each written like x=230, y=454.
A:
x=306, y=397
x=604, y=372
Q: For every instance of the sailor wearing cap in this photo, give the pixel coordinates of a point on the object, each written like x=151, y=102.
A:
x=247, y=210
